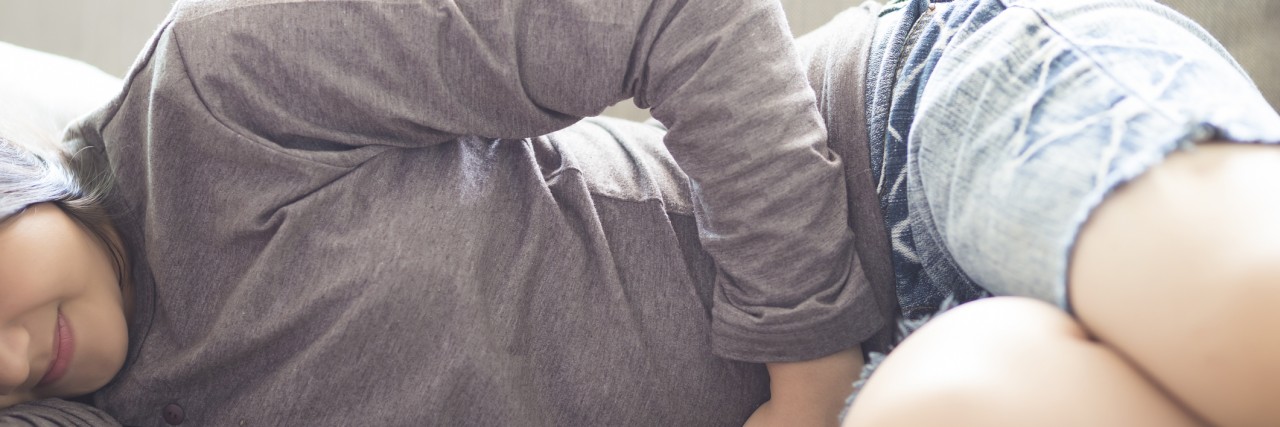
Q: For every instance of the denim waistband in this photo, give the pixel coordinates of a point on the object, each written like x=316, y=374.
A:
x=905, y=48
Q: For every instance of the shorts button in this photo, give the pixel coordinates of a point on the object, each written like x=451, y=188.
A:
x=173, y=414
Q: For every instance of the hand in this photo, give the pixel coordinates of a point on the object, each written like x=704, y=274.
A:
x=763, y=417
x=772, y=415
x=808, y=393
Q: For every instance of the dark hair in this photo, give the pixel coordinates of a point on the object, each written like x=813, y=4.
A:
x=42, y=171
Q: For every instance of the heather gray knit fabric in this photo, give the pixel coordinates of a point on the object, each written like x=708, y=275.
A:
x=55, y=413
x=383, y=213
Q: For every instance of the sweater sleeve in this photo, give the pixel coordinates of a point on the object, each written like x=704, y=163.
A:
x=55, y=413
x=722, y=76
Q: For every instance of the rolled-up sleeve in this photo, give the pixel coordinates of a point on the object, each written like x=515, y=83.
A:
x=770, y=197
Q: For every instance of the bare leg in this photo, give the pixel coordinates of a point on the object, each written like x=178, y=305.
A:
x=1009, y=362
x=1180, y=271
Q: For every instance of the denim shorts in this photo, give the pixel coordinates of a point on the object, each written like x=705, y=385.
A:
x=997, y=126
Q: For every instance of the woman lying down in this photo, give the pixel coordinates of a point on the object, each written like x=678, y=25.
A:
x=393, y=213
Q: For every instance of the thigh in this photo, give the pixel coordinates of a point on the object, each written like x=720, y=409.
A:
x=1177, y=270
x=1009, y=362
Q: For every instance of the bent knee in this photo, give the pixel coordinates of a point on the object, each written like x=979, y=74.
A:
x=987, y=337
x=1000, y=321
x=970, y=363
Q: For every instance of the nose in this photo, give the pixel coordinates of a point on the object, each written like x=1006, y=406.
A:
x=15, y=358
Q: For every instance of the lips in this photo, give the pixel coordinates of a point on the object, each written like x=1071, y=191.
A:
x=63, y=347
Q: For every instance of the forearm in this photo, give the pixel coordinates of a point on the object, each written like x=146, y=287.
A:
x=813, y=392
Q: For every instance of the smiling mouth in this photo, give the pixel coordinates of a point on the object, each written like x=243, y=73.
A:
x=63, y=347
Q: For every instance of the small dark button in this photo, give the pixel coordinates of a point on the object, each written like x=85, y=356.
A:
x=173, y=414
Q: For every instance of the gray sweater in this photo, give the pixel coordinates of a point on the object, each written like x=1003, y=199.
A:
x=389, y=212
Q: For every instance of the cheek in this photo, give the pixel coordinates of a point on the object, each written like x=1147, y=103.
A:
x=101, y=343
x=111, y=341
x=114, y=343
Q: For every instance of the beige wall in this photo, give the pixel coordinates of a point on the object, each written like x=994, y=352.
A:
x=803, y=15
x=105, y=33
x=109, y=33
x=1249, y=30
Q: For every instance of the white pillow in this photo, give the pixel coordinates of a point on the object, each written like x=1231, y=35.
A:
x=41, y=93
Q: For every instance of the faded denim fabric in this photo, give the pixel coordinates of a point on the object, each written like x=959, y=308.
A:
x=996, y=126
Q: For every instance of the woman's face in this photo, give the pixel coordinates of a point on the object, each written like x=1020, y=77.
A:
x=62, y=323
